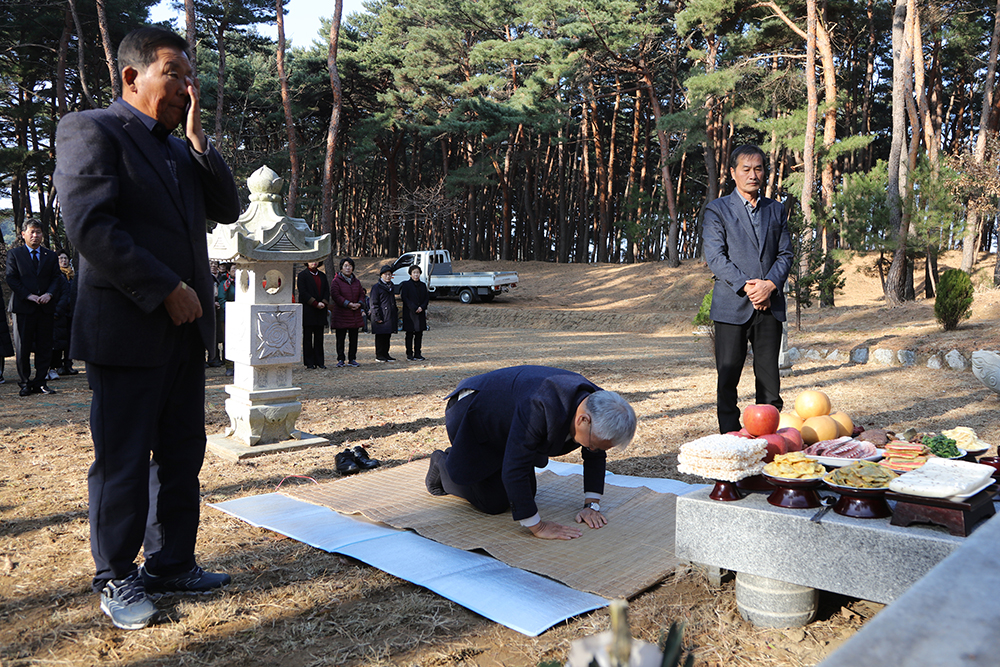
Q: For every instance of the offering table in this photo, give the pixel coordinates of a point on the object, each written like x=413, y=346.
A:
x=782, y=557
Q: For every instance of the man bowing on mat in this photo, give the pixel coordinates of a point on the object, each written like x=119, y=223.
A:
x=505, y=423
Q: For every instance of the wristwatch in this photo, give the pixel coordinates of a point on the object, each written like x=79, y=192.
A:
x=592, y=505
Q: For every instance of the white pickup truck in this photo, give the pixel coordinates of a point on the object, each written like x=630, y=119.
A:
x=435, y=267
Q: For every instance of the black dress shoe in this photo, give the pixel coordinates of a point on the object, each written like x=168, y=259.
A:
x=45, y=389
x=345, y=463
x=25, y=391
x=363, y=460
x=321, y=366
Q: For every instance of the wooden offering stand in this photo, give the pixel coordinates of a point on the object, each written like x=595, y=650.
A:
x=958, y=517
x=725, y=491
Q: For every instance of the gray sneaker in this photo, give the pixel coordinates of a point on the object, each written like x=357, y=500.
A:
x=126, y=604
x=192, y=582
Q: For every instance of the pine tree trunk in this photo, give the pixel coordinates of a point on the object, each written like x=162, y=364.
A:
x=220, y=40
x=109, y=49
x=286, y=103
x=88, y=99
x=191, y=29
x=326, y=212
x=972, y=222
x=894, y=282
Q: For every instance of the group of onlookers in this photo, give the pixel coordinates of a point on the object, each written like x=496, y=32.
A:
x=43, y=293
x=343, y=305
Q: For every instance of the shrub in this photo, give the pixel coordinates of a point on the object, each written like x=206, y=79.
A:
x=954, y=299
x=702, y=319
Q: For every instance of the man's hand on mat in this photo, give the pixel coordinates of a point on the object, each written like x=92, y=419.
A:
x=550, y=530
x=592, y=518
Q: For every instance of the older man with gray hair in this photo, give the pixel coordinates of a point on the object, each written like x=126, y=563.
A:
x=505, y=423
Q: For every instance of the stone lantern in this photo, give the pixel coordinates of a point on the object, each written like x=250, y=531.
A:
x=263, y=325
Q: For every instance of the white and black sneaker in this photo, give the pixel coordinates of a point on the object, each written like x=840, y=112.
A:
x=126, y=603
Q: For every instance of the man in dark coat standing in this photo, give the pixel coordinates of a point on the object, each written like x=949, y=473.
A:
x=35, y=282
x=749, y=249
x=314, y=295
x=135, y=200
x=504, y=424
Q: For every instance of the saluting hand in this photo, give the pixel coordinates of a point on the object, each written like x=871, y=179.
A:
x=192, y=128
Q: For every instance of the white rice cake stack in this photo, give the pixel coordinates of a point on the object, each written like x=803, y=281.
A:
x=725, y=457
x=942, y=478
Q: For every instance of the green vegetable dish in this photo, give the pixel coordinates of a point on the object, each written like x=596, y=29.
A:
x=941, y=445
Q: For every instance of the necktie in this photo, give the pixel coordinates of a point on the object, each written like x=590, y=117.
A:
x=34, y=259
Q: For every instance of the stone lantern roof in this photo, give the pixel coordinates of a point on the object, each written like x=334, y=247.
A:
x=264, y=232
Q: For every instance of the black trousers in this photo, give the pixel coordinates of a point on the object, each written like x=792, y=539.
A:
x=33, y=333
x=413, y=341
x=148, y=426
x=762, y=331
x=382, y=342
x=487, y=495
x=312, y=345
x=351, y=337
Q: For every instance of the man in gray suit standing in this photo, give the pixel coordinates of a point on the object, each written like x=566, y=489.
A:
x=749, y=249
x=135, y=200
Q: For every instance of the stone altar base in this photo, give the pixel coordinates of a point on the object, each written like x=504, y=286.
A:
x=234, y=450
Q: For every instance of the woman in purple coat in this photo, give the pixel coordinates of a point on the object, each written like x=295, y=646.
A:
x=346, y=297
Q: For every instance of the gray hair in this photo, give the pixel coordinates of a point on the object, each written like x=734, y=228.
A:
x=611, y=418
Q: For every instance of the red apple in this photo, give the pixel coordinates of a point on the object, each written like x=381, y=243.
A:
x=793, y=437
x=738, y=434
x=743, y=433
x=776, y=444
x=761, y=419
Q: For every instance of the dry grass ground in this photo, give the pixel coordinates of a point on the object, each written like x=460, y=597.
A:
x=626, y=327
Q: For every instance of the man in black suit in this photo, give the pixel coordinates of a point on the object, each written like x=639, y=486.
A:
x=749, y=249
x=314, y=295
x=34, y=279
x=504, y=424
x=135, y=200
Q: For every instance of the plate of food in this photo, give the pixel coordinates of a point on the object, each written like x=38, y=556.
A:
x=944, y=478
x=795, y=478
x=942, y=446
x=862, y=486
x=842, y=451
x=965, y=438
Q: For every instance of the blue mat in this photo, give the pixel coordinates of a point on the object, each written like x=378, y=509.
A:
x=520, y=600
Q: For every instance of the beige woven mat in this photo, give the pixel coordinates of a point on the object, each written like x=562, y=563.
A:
x=633, y=552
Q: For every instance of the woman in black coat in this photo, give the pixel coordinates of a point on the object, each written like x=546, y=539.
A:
x=415, y=299
x=63, y=321
x=385, y=313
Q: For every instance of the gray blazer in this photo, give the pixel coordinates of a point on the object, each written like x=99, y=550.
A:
x=139, y=232
x=735, y=255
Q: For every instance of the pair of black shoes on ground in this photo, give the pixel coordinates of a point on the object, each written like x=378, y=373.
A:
x=28, y=390
x=355, y=460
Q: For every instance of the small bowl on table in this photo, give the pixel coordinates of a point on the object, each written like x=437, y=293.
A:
x=859, y=502
x=794, y=493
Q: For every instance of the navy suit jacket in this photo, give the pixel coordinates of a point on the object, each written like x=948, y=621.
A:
x=139, y=232
x=516, y=420
x=24, y=281
x=735, y=255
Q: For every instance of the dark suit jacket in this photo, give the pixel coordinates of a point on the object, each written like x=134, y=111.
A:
x=137, y=232
x=516, y=420
x=309, y=295
x=735, y=255
x=24, y=281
